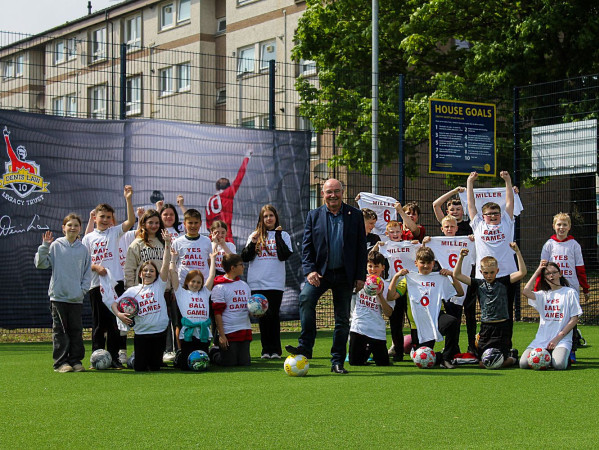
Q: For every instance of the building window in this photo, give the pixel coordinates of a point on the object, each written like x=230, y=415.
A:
x=65, y=106
x=58, y=106
x=133, y=32
x=97, y=102
x=59, y=53
x=307, y=67
x=71, y=105
x=19, y=65
x=305, y=124
x=8, y=69
x=221, y=25
x=167, y=15
x=268, y=51
x=98, y=44
x=166, y=81
x=184, y=11
x=71, y=49
x=246, y=60
x=221, y=97
x=183, y=77
x=133, y=105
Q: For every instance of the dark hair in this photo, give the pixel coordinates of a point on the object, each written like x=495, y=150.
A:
x=375, y=257
x=166, y=206
x=544, y=285
x=231, y=260
x=425, y=254
x=369, y=214
x=412, y=206
x=454, y=202
x=218, y=224
x=222, y=184
x=192, y=213
x=144, y=264
x=104, y=207
x=261, y=231
x=143, y=234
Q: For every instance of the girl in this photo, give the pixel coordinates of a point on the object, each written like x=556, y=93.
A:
x=558, y=307
x=218, y=233
x=152, y=319
x=149, y=246
x=267, y=249
x=170, y=218
x=193, y=301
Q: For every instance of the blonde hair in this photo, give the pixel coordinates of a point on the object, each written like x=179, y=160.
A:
x=491, y=205
x=449, y=218
x=391, y=224
x=562, y=216
x=488, y=261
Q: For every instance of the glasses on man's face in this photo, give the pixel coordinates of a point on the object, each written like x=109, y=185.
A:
x=492, y=214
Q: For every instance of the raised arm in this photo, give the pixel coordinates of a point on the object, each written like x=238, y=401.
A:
x=438, y=204
x=509, y=193
x=394, y=285
x=180, y=203
x=90, y=223
x=128, y=224
x=470, y=195
x=456, y=284
x=457, y=272
x=210, y=280
x=528, y=290
x=166, y=260
x=173, y=269
x=407, y=220
x=42, y=257
x=521, y=273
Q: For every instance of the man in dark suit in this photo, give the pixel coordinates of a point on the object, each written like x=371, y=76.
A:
x=333, y=257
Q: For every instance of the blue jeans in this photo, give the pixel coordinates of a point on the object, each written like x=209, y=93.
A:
x=342, y=289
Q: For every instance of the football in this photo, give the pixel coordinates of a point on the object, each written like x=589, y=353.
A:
x=539, y=359
x=128, y=305
x=373, y=285
x=100, y=359
x=492, y=358
x=296, y=365
x=198, y=361
x=257, y=305
x=424, y=358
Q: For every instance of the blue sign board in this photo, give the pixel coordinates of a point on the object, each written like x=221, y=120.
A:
x=462, y=137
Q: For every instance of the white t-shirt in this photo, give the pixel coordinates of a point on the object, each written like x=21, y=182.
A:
x=555, y=309
x=400, y=255
x=567, y=255
x=367, y=318
x=265, y=271
x=174, y=233
x=153, y=315
x=425, y=294
x=124, y=243
x=382, y=206
x=193, y=254
x=495, y=195
x=103, y=247
x=194, y=306
x=447, y=251
x=494, y=240
x=218, y=260
x=235, y=296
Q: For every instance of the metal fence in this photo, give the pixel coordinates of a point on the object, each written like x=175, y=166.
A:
x=81, y=80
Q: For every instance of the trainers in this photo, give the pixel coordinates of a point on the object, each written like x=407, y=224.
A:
x=391, y=351
x=116, y=365
x=398, y=357
x=299, y=350
x=265, y=356
x=168, y=357
x=572, y=357
x=78, y=368
x=514, y=353
x=64, y=369
x=123, y=356
x=275, y=356
x=447, y=365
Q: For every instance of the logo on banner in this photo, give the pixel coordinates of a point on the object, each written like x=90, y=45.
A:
x=21, y=176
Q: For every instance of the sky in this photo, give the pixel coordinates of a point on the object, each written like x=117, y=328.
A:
x=35, y=16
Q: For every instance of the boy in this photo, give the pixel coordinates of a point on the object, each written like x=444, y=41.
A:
x=495, y=324
x=455, y=209
x=368, y=332
x=71, y=276
x=103, y=246
x=400, y=254
x=370, y=219
x=229, y=301
x=446, y=249
x=410, y=214
x=426, y=291
x=193, y=250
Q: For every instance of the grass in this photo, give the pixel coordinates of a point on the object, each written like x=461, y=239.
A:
x=261, y=407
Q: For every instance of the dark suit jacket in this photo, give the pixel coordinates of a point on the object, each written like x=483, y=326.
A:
x=315, y=244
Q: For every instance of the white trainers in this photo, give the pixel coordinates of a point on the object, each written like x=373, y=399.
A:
x=275, y=356
x=78, y=368
x=123, y=357
x=265, y=356
x=391, y=351
x=64, y=368
x=168, y=357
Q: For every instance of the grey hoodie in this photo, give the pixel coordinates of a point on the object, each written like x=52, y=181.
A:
x=71, y=269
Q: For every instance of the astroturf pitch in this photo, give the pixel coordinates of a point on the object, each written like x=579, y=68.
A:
x=261, y=407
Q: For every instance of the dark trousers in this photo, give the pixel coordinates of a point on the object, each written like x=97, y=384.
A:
x=67, y=333
x=512, y=288
x=149, y=349
x=270, y=323
x=470, y=314
x=455, y=311
x=237, y=354
x=360, y=347
x=449, y=327
x=396, y=323
x=187, y=348
x=105, y=333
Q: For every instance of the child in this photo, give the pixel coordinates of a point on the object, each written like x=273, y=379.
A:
x=193, y=250
x=229, y=300
x=170, y=217
x=410, y=214
x=71, y=277
x=495, y=324
x=370, y=219
x=267, y=249
x=368, y=329
x=193, y=300
x=426, y=291
x=558, y=308
x=399, y=255
x=455, y=209
x=218, y=234
x=152, y=319
x=103, y=246
x=149, y=246
x=446, y=249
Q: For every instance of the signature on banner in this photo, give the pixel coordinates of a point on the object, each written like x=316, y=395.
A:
x=7, y=228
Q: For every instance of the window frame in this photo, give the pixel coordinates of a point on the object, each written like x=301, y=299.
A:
x=170, y=81
x=133, y=104
x=134, y=43
x=60, y=56
x=240, y=52
x=179, y=80
x=178, y=18
x=98, y=47
x=19, y=65
x=163, y=25
x=264, y=64
x=101, y=111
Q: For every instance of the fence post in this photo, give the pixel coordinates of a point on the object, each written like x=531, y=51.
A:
x=123, y=99
x=401, y=153
x=516, y=181
x=271, y=94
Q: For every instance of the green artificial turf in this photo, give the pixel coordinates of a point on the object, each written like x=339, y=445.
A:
x=261, y=407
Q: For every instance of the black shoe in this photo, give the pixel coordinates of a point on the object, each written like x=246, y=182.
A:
x=398, y=357
x=299, y=350
x=338, y=368
x=514, y=354
x=116, y=364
